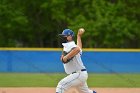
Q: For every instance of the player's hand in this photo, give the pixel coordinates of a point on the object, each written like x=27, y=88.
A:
x=61, y=57
x=64, y=59
x=80, y=31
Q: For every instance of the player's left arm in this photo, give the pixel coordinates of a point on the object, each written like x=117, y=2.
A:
x=73, y=52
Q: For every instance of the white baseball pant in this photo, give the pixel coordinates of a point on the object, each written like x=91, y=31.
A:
x=77, y=80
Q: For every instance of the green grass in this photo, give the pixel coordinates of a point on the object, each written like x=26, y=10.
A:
x=114, y=80
x=51, y=80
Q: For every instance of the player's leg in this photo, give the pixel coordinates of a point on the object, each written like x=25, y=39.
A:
x=84, y=89
x=71, y=80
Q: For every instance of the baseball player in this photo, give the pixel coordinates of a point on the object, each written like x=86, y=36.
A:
x=73, y=65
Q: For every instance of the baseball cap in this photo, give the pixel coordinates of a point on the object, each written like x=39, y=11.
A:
x=67, y=32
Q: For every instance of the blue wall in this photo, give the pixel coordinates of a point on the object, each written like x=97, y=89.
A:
x=49, y=61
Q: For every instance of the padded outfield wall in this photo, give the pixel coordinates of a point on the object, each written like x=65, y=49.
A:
x=48, y=60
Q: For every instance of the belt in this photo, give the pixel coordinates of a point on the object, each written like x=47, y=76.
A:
x=81, y=70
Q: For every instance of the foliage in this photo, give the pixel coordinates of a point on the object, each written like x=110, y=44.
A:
x=108, y=23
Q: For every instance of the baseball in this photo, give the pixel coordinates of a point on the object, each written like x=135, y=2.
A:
x=81, y=31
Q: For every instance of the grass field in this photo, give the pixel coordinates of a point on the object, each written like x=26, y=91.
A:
x=51, y=80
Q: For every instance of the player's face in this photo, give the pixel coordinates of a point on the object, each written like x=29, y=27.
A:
x=69, y=38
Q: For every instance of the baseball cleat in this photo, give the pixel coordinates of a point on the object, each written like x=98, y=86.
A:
x=94, y=92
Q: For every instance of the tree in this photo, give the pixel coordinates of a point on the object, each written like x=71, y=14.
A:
x=108, y=23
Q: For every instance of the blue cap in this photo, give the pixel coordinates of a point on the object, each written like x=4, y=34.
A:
x=67, y=32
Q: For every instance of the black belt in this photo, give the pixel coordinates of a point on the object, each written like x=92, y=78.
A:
x=81, y=70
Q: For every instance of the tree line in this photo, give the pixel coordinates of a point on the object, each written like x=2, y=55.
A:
x=108, y=23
